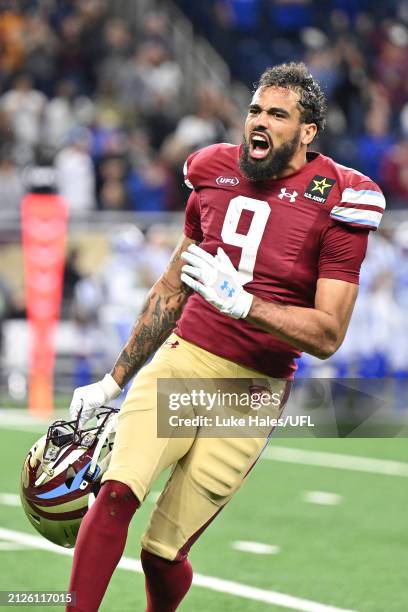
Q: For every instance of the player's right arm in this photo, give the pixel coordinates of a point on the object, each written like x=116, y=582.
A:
x=161, y=311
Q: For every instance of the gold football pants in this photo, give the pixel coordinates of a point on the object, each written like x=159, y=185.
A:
x=207, y=471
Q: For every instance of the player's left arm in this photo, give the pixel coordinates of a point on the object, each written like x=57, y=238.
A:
x=319, y=330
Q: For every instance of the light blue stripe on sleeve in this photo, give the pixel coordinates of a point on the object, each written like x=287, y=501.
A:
x=364, y=192
x=359, y=221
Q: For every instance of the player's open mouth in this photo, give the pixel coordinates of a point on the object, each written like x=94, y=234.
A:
x=259, y=145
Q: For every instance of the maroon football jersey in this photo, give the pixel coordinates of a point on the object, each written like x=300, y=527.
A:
x=281, y=235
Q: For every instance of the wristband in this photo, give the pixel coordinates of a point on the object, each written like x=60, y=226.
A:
x=110, y=387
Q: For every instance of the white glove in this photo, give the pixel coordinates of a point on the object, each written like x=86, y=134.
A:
x=86, y=400
x=216, y=279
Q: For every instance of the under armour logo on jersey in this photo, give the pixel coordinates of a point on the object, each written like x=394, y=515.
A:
x=225, y=287
x=287, y=194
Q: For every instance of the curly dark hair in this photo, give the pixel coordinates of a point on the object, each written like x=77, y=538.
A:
x=297, y=77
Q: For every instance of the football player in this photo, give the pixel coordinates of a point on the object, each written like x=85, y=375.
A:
x=268, y=267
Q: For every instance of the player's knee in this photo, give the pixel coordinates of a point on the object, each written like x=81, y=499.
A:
x=118, y=498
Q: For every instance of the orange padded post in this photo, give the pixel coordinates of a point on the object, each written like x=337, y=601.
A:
x=44, y=223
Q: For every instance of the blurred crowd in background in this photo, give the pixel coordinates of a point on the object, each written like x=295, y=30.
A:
x=103, y=100
x=358, y=49
x=107, y=98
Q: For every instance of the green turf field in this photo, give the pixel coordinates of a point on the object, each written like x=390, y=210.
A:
x=339, y=534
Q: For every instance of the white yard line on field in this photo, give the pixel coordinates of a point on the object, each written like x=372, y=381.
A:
x=10, y=546
x=209, y=582
x=257, y=548
x=22, y=420
x=336, y=460
x=324, y=498
x=9, y=499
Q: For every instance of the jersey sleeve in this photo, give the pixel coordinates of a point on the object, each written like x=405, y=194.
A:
x=342, y=252
x=192, y=223
x=189, y=171
x=362, y=205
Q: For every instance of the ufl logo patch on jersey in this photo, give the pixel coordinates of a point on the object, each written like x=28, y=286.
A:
x=319, y=188
x=227, y=180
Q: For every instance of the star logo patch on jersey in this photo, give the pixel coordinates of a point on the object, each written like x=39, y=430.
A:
x=319, y=188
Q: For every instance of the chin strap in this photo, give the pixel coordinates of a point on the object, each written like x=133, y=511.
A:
x=109, y=428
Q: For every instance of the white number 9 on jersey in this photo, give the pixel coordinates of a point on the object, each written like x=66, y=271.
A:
x=249, y=243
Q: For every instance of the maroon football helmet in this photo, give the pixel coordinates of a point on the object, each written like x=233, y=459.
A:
x=62, y=473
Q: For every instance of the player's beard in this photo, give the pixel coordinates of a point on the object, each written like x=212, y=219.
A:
x=273, y=165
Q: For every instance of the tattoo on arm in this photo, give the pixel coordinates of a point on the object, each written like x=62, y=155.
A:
x=161, y=311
